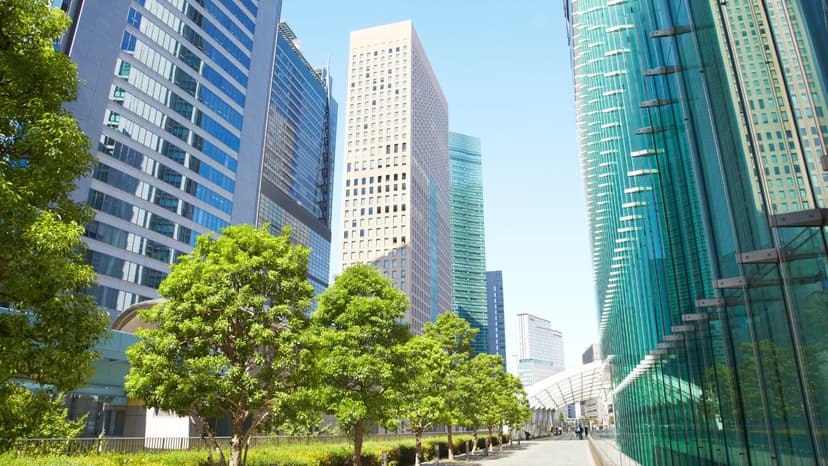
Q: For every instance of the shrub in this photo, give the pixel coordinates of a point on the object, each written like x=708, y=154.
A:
x=400, y=453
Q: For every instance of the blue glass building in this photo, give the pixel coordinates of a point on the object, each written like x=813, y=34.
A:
x=185, y=104
x=495, y=308
x=297, y=170
x=468, y=241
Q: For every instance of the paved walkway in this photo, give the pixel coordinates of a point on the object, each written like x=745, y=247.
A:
x=555, y=451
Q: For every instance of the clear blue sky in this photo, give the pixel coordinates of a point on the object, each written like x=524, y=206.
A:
x=504, y=69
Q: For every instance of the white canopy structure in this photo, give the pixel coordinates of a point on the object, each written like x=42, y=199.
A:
x=572, y=386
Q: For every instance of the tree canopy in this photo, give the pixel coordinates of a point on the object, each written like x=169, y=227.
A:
x=454, y=336
x=49, y=333
x=426, y=368
x=357, y=336
x=228, y=340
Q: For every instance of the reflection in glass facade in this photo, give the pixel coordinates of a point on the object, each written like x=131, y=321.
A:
x=468, y=242
x=297, y=171
x=171, y=96
x=703, y=135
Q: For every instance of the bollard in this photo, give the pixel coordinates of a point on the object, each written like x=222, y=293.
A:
x=436, y=455
x=384, y=458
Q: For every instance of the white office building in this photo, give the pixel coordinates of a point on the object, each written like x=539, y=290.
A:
x=540, y=349
x=396, y=210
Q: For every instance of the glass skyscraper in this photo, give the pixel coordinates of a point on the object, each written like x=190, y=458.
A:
x=297, y=172
x=703, y=136
x=185, y=103
x=495, y=308
x=468, y=241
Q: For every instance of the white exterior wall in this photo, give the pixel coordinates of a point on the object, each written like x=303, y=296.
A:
x=396, y=158
x=164, y=425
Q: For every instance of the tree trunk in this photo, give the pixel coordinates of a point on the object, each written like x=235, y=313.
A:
x=358, y=427
x=500, y=436
x=214, y=445
x=489, y=440
x=418, y=449
x=474, y=442
x=450, y=444
x=236, y=444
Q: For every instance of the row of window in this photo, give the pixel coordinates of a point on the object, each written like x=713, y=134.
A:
x=376, y=53
x=171, y=151
x=149, y=193
x=369, y=164
x=121, y=269
x=379, y=210
x=123, y=239
x=357, y=192
x=156, y=61
x=172, y=177
x=228, y=23
x=370, y=179
x=174, y=102
x=192, y=36
x=141, y=217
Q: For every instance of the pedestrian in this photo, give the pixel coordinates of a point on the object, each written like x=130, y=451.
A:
x=579, y=431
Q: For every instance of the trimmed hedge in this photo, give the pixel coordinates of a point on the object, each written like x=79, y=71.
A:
x=399, y=454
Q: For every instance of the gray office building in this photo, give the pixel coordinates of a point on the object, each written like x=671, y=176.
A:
x=497, y=322
x=179, y=100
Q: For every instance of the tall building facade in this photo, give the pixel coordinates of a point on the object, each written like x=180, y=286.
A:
x=185, y=103
x=299, y=148
x=540, y=349
x=174, y=98
x=468, y=241
x=396, y=204
x=703, y=137
x=495, y=306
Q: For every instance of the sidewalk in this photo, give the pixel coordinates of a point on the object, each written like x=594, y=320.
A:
x=547, y=451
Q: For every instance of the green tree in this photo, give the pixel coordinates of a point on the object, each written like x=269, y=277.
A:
x=454, y=336
x=357, y=340
x=478, y=391
x=228, y=338
x=426, y=367
x=511, y=402
x=51, y=326
x=33, y=414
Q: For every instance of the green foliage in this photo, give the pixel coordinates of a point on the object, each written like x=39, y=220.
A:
x=228, y=338
x=511, y=401
x=318, y=454
x=33, y=414
x=49, y=333
x=481, y=396
x=42, y=153
x=426, y=366
x=454, y=336
x=357, y=338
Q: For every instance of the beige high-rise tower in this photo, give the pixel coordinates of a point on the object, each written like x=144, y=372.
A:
x=396, y=210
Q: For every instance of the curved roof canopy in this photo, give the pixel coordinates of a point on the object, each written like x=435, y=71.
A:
x=572, y=386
